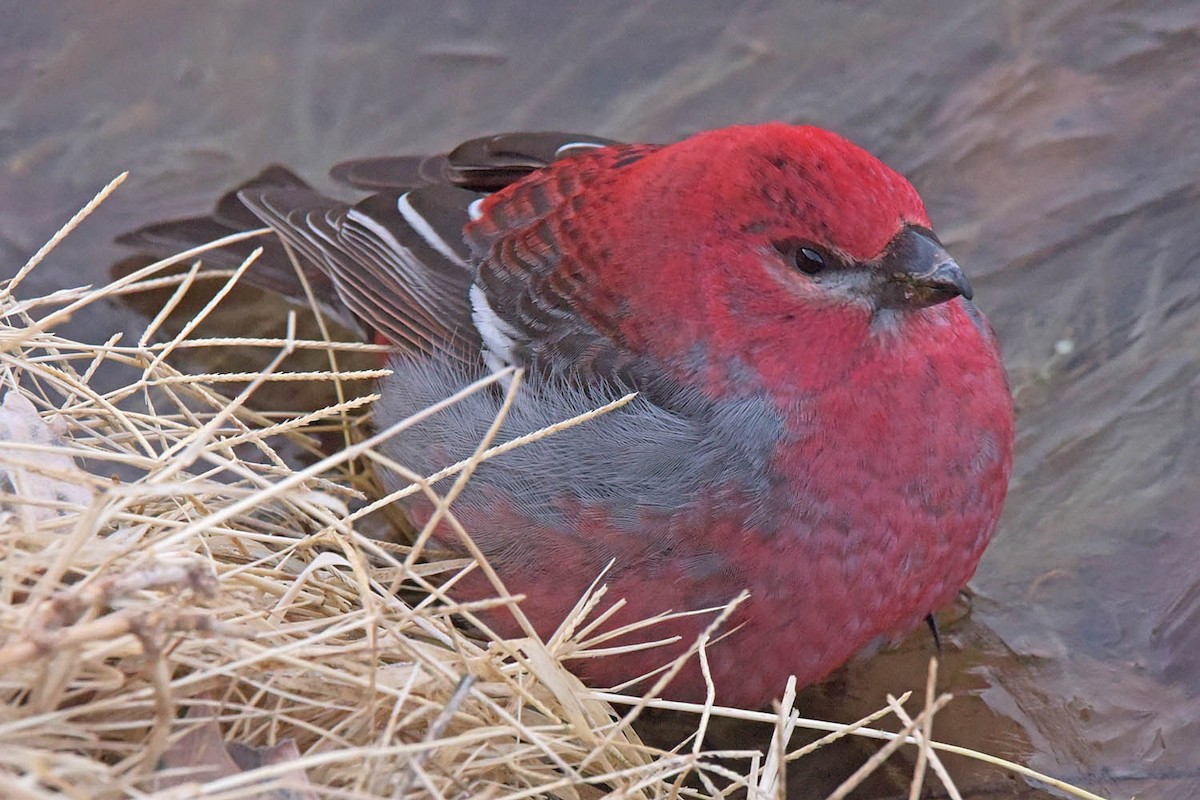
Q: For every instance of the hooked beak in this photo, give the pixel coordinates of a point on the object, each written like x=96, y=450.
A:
x=920, y=273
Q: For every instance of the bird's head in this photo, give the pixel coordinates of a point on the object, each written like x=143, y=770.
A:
x=839, y=222
x=781, y=232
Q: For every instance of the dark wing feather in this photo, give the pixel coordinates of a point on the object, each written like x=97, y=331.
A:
x=485, y=164
x=389, y=265
x=406, y=263
x=539, y=274
x=272, y=272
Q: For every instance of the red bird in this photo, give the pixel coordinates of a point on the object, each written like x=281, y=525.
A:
x=822, y=416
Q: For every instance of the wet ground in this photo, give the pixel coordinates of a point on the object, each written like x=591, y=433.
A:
x=1057, y=146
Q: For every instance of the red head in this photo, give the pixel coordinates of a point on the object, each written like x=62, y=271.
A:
x=748, y=242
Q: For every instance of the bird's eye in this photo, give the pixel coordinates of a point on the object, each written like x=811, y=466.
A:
x=809, y=261
x=802, y=255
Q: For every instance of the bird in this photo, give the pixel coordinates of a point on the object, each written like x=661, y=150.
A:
x=821, y=419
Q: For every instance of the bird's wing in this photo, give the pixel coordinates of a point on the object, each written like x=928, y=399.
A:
x=397, y=261
x=272, y=272
x=536, y=299
x=518, y=287
x=540, y=298
x=485, y=164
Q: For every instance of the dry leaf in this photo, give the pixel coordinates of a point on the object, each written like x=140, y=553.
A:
x=44, y=483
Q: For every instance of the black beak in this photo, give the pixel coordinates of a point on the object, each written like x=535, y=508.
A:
x=918, y=272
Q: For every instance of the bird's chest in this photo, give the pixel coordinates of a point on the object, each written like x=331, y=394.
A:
x=905, y=444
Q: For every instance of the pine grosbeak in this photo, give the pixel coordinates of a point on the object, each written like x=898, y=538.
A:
x=822, y=415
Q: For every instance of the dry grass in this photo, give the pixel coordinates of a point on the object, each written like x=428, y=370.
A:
x=170, y=583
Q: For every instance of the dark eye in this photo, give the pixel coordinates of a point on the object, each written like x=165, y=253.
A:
x=802, y=256
x=809, y=261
